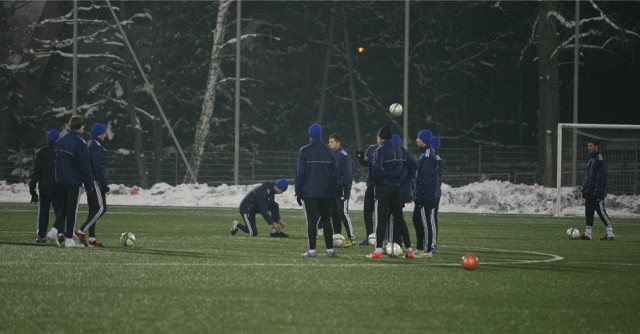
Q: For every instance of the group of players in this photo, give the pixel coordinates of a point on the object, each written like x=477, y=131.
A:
x=59, y=171
x=323, y=185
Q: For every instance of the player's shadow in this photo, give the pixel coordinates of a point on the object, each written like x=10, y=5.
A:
x=161, y=252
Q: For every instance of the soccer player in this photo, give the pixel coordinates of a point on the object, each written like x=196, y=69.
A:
x=594, y=190
x=365, y=157
x=435, y=147
x=262, y=199
x=97, y=199
x=400, y=231
x=316, y=188
x=43, y=175
x=425, y=201
x=340, y=207
x=73, y=168
x=388, y=168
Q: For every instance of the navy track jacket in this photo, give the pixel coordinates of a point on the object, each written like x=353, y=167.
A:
x=595, y=176
x=427, y=178
x=388, y=164
x=43, y=172
x=73, y=166
x=316, y=171
x=261, y=199
x=98, y=163
x=345, y=170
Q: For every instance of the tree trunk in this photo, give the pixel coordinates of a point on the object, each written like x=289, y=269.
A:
x=325, y=73
x=4, y=90
x=135, y=121
x=158, y=152
x=202, y=128
x=548, y=98
x=354, y=103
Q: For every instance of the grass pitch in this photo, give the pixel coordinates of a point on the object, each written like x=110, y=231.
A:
x=187, y=274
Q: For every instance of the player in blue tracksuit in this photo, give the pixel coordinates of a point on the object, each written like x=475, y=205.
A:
x=435, y=147
x=344, y=178
x=389, y=168
x=73, y=168
x=261, y=199
x=365, y=158
x=401, y=232
x=425, y=200
x=316, y=188
x=594, y=190
x=43, y=175
x=96, y=199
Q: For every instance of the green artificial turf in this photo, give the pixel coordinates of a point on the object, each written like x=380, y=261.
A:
x=187, y=274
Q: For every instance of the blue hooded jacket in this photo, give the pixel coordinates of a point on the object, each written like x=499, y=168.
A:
x=388, y=164
x=261, y=199
x=427, y=179
x=316, y=168
x=345, y=170
x=98, y=162
x=73, y=166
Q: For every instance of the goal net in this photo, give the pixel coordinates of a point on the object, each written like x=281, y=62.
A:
x=620, y=145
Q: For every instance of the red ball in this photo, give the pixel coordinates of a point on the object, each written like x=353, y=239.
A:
x=470, y=261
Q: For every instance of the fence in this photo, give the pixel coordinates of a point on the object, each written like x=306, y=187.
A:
x=462, y=166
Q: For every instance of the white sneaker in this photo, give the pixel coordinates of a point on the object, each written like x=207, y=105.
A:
x=71, y=243
x=428, y=255
x=52, y=236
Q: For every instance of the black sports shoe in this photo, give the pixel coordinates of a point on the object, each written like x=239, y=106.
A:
x=279, y=234
x=364, y=242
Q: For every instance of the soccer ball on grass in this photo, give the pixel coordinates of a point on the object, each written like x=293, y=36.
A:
x=372, y=239
x=393, y=249
x=470, y=261
x=127, y=239
x=395, y=109
x=573, y=233
x=338, y=240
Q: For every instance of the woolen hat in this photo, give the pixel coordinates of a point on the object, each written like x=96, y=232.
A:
x=98, y=129
x=315, y=131
x=76, y=122
x=435, y=142
x=397, y=139
x=52, y=135
x=385, y=132
x=425, y=136
x=282, y=184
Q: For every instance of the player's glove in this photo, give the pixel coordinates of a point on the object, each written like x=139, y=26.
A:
x=360, y=155
x=34, y=198
x=299, y=200
x=283, y=224
x=105, y=189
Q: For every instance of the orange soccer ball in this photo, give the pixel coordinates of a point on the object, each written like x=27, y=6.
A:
x=470, y=261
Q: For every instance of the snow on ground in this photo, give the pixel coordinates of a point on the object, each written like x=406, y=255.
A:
x=479, y=197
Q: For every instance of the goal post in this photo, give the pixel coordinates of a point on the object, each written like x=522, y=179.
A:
x=620, y=144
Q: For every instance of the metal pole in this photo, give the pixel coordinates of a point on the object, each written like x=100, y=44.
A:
x=236, y=153
x=405, y=101
x=576, y=72
x=74, y=79
x=559, y=173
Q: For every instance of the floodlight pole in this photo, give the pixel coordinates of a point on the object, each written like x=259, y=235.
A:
x=405, y=101
x=74, y=75
x=576, y=73
x=236, y=154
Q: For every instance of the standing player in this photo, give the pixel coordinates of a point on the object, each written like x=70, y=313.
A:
x=262, y=199
x=425, y=201
x=400, y=231
x=43, y=174
x=340, y=207
x=316, y=188
x=594, y=190
x=73, y=168
x=435, y=146
x=365, y=159
x=388, y=167
x=97, y=199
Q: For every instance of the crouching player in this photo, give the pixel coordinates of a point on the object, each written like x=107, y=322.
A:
x=262, y=199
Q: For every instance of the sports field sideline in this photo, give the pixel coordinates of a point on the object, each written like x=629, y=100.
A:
x=188, y=274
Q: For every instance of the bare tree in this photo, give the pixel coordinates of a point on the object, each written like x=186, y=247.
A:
x=202, y=128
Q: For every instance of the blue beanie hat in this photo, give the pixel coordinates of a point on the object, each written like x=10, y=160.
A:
x=397, y=139
x=425, y=136
x=282, y=184
x=435, y=142
x=52, y=135
x=98, y=129
x=385, y=132
x=315, y=131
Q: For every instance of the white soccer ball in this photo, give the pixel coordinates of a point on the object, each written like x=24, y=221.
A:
x=393, y=249
x=573, y=233
x=372, y=239
x=338, y=240
x=395, y=109
x=127, y=239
